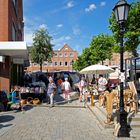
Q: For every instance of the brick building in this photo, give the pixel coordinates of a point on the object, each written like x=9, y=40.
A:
x=13, y=50
x=61, y=61
x=115, y=60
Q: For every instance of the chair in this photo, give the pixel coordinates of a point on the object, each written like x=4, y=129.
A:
x=134, y=95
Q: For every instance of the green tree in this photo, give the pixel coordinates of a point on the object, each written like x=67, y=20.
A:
x=42, y=48
x=132, y=34
x=101, y=48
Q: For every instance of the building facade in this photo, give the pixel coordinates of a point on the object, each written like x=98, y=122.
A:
x=11, y=20
x=11, y=31
x=61, y=61
x=115, y=60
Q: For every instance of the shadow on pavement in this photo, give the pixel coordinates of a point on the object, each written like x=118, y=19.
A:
x=6, y=118
x=5, y=125
x=27, y=107
x=58, y=98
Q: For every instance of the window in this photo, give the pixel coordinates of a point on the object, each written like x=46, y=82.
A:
x=15, y=5
x=55, y=54
x=14, y=2
x=71, y=54
x=60, y=54
x=61, y=63
x=65, y=54
x=55, y=63
x=66, y=63
x=13, y=32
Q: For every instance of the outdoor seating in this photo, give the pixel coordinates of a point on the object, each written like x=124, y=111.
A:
x=134, y=97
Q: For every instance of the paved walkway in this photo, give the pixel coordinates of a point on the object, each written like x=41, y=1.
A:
x=56, y=123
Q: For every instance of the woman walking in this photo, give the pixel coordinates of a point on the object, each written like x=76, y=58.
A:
x=51, y=91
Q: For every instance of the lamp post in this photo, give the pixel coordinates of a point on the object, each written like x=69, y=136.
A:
x=121, y=10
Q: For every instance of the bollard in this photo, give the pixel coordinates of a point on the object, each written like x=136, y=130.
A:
x=92, y=100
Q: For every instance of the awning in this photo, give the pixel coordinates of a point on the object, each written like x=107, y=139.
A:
x=14, y=49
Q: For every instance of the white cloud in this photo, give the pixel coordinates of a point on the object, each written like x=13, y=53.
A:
x=103, y=3
x=59, y=42
x=43, y=26
x=61, y=39
x=59, y=25
x=70, y=4
x=67, y=38
x=76, y=30
x=28, y=35
x=91, y=7
x=29, y=32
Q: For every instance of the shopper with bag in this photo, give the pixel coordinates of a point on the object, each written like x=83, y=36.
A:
x=51, y=91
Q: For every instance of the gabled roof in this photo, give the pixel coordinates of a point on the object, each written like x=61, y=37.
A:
x=64, y=47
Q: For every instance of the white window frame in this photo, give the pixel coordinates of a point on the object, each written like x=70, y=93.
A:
x=60, y=54
x=65, y=54
x=71, y=54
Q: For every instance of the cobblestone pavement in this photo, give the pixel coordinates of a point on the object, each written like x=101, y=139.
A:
x=56, y=123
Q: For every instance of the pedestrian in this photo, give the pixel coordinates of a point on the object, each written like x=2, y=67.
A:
x=93, y=81
x=67, y=89
x=16, y=98
x=59, y=83
x=102, y=84
x=51, y=91
x=82, y=88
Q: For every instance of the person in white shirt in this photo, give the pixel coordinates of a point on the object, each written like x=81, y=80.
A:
x=67, y=88
x=102, y=83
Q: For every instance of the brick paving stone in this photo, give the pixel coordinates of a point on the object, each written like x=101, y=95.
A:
x=56, y=123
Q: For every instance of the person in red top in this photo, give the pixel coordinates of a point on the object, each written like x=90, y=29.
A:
x=59, y=84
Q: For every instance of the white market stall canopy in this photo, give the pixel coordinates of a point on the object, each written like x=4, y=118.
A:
x=97, y=69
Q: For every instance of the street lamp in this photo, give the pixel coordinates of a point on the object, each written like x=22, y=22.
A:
x=121, y=10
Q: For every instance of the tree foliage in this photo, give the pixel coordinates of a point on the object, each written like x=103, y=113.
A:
x=132, y=34
x=100, y=49
x=42, y=48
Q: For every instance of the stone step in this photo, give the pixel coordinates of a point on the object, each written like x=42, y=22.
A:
x=101, y=108
x=135, y=124
x=100, y=114
x=134, y=119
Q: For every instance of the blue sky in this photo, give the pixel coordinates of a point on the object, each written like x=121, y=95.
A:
x=74, y=22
